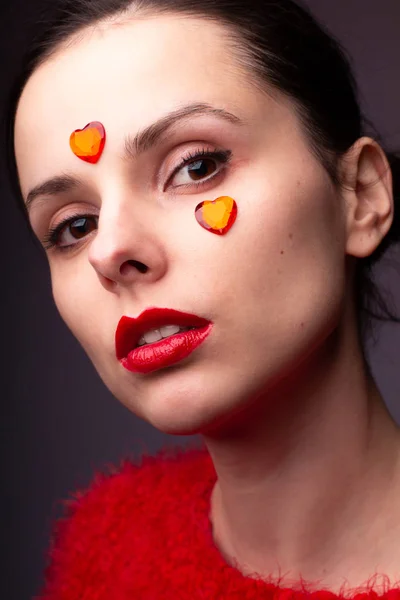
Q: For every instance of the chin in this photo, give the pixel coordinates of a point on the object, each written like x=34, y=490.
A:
x=188, y=399
x=184, y=405
x=185, y=414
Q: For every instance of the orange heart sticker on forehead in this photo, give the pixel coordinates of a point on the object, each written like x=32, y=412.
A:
x=88, y=143
x=217, y=215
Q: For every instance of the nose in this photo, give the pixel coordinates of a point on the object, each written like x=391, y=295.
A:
x=127, y=250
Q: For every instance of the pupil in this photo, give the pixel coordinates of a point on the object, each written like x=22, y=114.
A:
x=199, y=168
x=79, y=227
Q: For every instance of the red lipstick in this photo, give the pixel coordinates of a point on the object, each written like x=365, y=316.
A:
x=164, y=353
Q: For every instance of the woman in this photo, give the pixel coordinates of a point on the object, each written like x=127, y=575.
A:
x=204, y=165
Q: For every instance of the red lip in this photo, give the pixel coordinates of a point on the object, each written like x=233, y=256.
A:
x=130, y=330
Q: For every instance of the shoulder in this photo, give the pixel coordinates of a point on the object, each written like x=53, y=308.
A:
x=119, y=511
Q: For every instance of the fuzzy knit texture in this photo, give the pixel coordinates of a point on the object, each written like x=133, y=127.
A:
x=141, y=531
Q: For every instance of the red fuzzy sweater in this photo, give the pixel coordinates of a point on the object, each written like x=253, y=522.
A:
x=142, y=532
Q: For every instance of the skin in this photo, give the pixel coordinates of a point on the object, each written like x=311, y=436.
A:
x=306, y=454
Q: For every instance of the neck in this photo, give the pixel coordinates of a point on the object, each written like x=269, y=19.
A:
x=303, y=480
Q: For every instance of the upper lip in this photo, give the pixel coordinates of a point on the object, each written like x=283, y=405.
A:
x=130, y=329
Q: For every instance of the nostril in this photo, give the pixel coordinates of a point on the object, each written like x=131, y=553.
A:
x=139, y=266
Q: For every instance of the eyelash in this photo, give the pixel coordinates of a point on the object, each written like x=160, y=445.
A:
x=51, y=240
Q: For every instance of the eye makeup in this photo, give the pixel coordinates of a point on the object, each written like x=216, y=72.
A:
x=53, y=239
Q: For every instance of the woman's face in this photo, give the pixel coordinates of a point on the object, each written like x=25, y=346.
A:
x=272, y=286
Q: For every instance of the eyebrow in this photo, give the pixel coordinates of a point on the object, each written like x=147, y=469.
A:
x=134, y=146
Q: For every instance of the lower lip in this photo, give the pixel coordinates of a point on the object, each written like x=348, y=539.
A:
x=166, y=352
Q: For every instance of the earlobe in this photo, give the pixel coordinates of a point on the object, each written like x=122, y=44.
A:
x=368, y=195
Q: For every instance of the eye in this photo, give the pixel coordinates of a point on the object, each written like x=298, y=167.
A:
x=75, y=227
x=200, y=166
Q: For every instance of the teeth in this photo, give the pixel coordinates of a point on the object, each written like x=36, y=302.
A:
x=169, y=330
x=158, y=334
x=152, y=336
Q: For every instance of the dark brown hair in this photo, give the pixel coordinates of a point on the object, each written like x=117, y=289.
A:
x=283, y=46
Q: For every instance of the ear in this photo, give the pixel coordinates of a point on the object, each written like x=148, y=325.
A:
x=368, y=196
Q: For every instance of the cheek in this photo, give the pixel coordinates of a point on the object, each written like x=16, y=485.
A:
x=298, y=222
x=288, y=262
x=72, y=296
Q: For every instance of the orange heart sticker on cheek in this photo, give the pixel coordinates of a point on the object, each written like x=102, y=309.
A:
x=217, y=215
x=88, y=143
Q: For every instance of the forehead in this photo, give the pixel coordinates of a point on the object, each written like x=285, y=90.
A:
x=125, y=76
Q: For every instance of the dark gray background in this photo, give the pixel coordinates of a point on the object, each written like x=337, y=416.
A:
x=59, y=423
